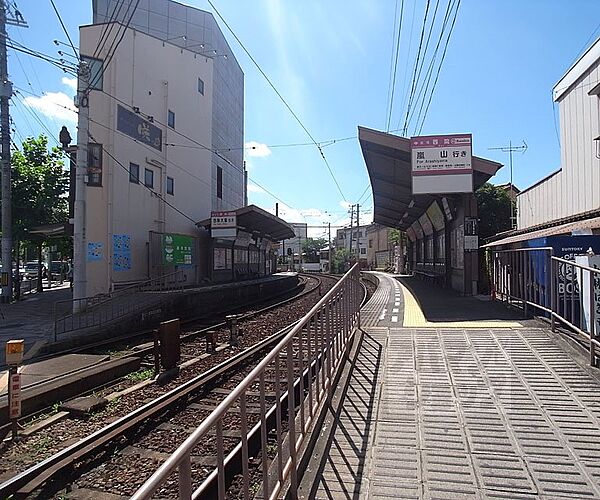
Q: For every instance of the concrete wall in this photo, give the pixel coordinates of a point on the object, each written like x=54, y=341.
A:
x=154, y=76
x=197, y=30
x=575, y=188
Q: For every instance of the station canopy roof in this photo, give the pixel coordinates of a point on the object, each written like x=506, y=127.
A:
x=253, y=219
x=388, y=160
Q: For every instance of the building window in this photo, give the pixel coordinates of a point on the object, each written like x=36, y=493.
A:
x=171, y=119
x=219, y=183
x=363, y=251
x=94, y=168
x=96, y=72
x=134, y=173
x=170, y=185
x=201, y=86
x=149, y=178
x=370, y=243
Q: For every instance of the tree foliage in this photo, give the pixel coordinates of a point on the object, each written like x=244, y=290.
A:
x=494, y=207
x=39, y=186
x=311, y=247
x=339, y=260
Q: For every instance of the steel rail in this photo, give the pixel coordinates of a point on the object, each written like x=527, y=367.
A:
x=180, y=457
x=30, y=479
x=233, y=463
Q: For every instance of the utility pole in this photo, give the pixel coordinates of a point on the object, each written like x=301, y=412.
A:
x=357, y=232
x=79, y=234
x=509, y=149
x=329, y=246
x=5, y=94
x=351, y=222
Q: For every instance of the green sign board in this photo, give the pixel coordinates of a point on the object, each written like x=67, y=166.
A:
x=177, y=249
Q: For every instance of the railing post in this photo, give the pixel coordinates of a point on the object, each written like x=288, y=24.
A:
x=592, y=325
x=185, y=478
x=553, y=293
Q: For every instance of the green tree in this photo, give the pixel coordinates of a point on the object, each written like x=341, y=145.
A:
x=494, y=206
x=311, y=247
x=39, y=187
x=340, y=257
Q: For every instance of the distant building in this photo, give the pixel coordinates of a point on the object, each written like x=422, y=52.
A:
x=572, y=192
x=512, y=190
x=160, y=105
x=346, y=238
x=380, y=251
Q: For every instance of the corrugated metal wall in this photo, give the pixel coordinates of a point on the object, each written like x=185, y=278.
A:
x=577, y=187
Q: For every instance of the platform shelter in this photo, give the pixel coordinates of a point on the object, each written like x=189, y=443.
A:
x=441, y=227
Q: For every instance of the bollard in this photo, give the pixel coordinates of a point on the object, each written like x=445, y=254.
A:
x=211, y=341
x=232, y=320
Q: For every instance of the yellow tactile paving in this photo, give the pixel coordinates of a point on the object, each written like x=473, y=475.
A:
x=414, y=317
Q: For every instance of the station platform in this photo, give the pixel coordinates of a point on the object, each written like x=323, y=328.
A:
x=448, y=397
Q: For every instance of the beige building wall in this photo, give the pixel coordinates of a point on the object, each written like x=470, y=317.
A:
x=575, y=188
x=154, y=76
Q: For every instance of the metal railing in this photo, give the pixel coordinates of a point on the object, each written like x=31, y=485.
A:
x=298, y=373
x=104, y=308
x=561, y=289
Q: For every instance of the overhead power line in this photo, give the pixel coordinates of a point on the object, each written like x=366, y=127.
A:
x=64, y=28
x=319, y=148
x=395, y=59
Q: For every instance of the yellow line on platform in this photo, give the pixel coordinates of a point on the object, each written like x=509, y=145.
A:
x=414, y=317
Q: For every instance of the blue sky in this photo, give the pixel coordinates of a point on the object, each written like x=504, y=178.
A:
x=331, y=62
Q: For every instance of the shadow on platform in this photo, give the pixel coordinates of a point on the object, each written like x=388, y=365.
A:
x=445, y=305
x=343, y=455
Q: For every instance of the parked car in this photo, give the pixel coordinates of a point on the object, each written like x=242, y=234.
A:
x=31, y=270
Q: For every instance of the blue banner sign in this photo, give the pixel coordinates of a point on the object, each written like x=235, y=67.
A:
x=135, y=126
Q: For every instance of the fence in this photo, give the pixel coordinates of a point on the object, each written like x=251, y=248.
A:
x=563, y=290
x=298, y=374
x=87, y=312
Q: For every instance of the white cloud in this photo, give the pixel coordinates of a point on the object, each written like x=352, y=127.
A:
x=345, y=204
x=56, y=105
x=312, y=212
x=70, y=82
x=257, y=149
x=253, y=188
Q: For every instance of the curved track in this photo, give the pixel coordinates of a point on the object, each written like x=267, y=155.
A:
x=150, y=427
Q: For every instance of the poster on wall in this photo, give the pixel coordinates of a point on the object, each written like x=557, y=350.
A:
x=121, y=252
x=94, y=251
x=221, y=259
x=177, y=249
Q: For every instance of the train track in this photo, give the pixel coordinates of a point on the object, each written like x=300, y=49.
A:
x=155, y=427
x=191, y=346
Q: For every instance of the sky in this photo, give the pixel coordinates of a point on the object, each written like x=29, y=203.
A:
x=333, y=63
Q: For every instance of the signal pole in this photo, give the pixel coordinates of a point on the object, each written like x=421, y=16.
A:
x=5, y=94
x=509, y=149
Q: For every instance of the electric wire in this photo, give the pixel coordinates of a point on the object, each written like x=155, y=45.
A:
x=64, y=28
x=152, y=192
x=413, y=83
x=437, y=76
x=392, y=84
x=108, y=27
x=319, y=148
x=422, y=93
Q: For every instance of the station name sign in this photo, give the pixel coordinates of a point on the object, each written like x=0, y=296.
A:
x=223, y=224
x=442, y=164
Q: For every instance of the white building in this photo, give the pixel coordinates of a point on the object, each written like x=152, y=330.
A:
x=574, y=189
x=157, y=114
x=346, y=238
